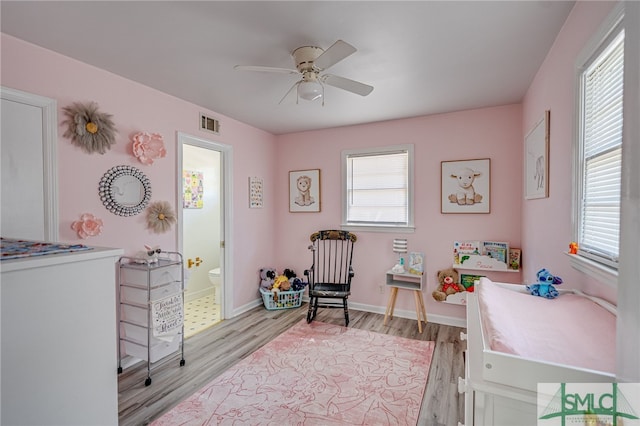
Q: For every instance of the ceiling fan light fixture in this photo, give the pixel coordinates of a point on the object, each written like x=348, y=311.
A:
x=310, y=90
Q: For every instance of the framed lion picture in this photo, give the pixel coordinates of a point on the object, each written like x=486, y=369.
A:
x=304, y=191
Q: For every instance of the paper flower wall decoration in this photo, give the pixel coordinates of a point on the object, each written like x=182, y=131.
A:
x=87, y=226
x=148, y=146
x=90, y=129
x=160, y=217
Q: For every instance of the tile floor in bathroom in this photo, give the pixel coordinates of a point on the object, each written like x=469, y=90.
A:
x=200, y=314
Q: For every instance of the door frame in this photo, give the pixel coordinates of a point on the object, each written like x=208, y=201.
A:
x=49, y=154
x=226, y=226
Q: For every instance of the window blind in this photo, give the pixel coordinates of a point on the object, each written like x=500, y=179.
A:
x=378, y=188
x=602, y=155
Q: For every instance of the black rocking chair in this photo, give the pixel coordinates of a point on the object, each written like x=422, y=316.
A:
x=331, y=272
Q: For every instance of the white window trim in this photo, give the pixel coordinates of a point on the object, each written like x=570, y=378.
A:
x=409, y=228
x=603, y=274
x=598, y=271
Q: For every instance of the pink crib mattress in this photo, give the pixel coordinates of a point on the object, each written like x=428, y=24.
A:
x=570, y=330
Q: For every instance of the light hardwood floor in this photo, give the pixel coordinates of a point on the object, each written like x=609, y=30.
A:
x=212, y=351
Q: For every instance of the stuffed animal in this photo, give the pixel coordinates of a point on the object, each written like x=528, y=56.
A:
x=544, y=287
x=573, y=247
x=289, y=273
x=282, y=282
x=149, y=255
x=448, y=284
x=297, y=284
x=267, y=277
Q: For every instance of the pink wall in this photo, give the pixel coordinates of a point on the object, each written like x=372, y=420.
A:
x=493, y=133
x=272, y=235
x=546, y=223
x=139, y=108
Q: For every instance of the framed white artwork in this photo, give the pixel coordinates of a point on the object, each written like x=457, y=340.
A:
x=304, y=191
x=536, y=160
x=466, y=186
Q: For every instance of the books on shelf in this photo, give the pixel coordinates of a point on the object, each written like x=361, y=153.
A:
x=468, y=280
x=463, y=249
x=496, y=250
x=416, y=263
x=514, y=258
x=495, y=255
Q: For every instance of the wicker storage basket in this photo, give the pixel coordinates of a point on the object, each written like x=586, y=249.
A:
x=285, y=300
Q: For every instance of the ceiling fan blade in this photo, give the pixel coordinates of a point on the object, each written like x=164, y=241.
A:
x=347, y=84
x=265, y=69
x=337, y=52
x=289, y=91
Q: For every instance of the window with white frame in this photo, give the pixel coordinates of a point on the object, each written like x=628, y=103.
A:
x=377, y=187
x=599, y=151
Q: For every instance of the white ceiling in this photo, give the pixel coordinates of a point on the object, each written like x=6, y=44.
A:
x=422, y=57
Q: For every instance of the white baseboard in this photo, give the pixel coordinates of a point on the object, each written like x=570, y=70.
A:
x=400, y=313
x=193, y=295
x=446, y=320
x=245, y=308
x=411, y=314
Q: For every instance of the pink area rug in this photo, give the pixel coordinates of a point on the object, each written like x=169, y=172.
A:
x=316, y=374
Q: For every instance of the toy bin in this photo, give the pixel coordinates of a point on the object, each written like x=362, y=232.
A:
x=285, y=300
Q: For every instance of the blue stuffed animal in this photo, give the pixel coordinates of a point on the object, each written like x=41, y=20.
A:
x=544, y=287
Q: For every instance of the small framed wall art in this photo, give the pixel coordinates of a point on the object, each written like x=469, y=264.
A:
x=256, y=190
x=192, y=185
x=466, y=186
x=536, y=161
x=304, y=191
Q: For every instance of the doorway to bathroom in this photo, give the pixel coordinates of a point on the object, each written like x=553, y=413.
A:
x=202, y=230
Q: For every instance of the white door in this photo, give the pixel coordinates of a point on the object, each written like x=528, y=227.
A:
x=203, y=218
x=29, y=180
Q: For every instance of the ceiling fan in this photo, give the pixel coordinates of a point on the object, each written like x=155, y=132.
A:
x=310, y=62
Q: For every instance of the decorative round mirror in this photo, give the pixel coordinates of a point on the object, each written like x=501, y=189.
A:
x=125, y=190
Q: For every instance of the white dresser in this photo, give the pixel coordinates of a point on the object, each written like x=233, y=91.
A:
x=59, y=343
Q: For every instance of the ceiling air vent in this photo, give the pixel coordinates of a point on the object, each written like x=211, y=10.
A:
x=209, y=124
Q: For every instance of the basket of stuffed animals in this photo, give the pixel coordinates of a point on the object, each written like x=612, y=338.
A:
x=282, y=291
x=281, y=299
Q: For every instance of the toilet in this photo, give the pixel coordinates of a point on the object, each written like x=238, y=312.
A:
x=214, y=277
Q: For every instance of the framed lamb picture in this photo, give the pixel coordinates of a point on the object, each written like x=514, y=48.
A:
x=466, y=186
x=536, y=161
x=304, y=191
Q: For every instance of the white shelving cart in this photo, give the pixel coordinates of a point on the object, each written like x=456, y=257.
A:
x=151, y=311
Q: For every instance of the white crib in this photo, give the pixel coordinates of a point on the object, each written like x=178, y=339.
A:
x=501, y=388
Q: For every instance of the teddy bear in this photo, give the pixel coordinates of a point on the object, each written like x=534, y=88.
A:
x=448, y=284
x=544, y=287
x=267, y=277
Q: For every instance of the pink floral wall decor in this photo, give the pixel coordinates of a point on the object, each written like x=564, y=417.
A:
x=148, y=146
x=87, y=226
